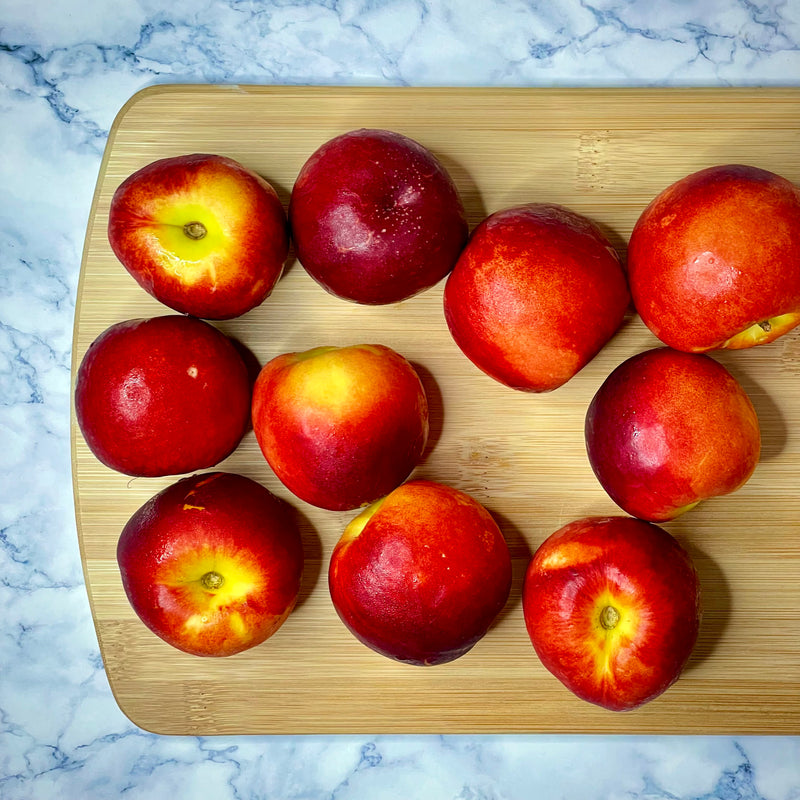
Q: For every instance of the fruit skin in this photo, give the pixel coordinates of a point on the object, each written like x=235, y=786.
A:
x=633, y=567
x=162, y=396
x=420, y=575
x=236, y=263
x=221, y=525
x=667, y=429
x=375, y=217
x=341, y=426
x=535, y=295
x=714, y=255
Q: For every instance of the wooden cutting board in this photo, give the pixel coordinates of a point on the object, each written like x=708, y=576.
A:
x=604, y=153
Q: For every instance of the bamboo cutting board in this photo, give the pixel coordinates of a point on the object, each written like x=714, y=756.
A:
x=603, y=153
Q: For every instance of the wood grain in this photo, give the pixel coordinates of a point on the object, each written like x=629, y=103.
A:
x=604, y=153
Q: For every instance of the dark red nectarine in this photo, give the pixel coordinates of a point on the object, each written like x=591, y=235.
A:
x=375, y=217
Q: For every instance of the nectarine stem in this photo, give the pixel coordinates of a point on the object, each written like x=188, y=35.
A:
x=609, y=618
x=212, y=580
x=765, y=325
x=195, y=230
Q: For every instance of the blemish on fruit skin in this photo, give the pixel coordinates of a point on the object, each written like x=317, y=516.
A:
x=210, y=479
x=569, y=554
x=192, y=371
x=667, y=220
x=134, y=393
x=711, y=275
x=196, y=622
x=187, y=500
x=238, y=624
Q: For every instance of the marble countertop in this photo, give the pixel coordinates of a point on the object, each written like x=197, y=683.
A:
x=66, y=68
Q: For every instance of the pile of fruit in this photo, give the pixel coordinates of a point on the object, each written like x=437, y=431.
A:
x=213, y=563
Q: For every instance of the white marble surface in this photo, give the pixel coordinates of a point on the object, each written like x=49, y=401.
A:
x=66, y=67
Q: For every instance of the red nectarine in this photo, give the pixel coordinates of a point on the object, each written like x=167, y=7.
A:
x=162, y=396
x=535, y=295
x=714, y=259
x=201, y=233
x=612, y=607
x=341, y=426
x=420, y=575
x=667, y=429
x=212, y=564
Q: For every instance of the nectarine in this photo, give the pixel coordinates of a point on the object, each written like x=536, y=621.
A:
x=420, y=575
x=612, y=607
x=201, y=233
x=212, y=564
x=534, y=296
x=714, y=259
x=162, y=396
x=341, y=426
x=375, y=217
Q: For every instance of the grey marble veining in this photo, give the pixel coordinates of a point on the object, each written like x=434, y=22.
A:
x=66, y=68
